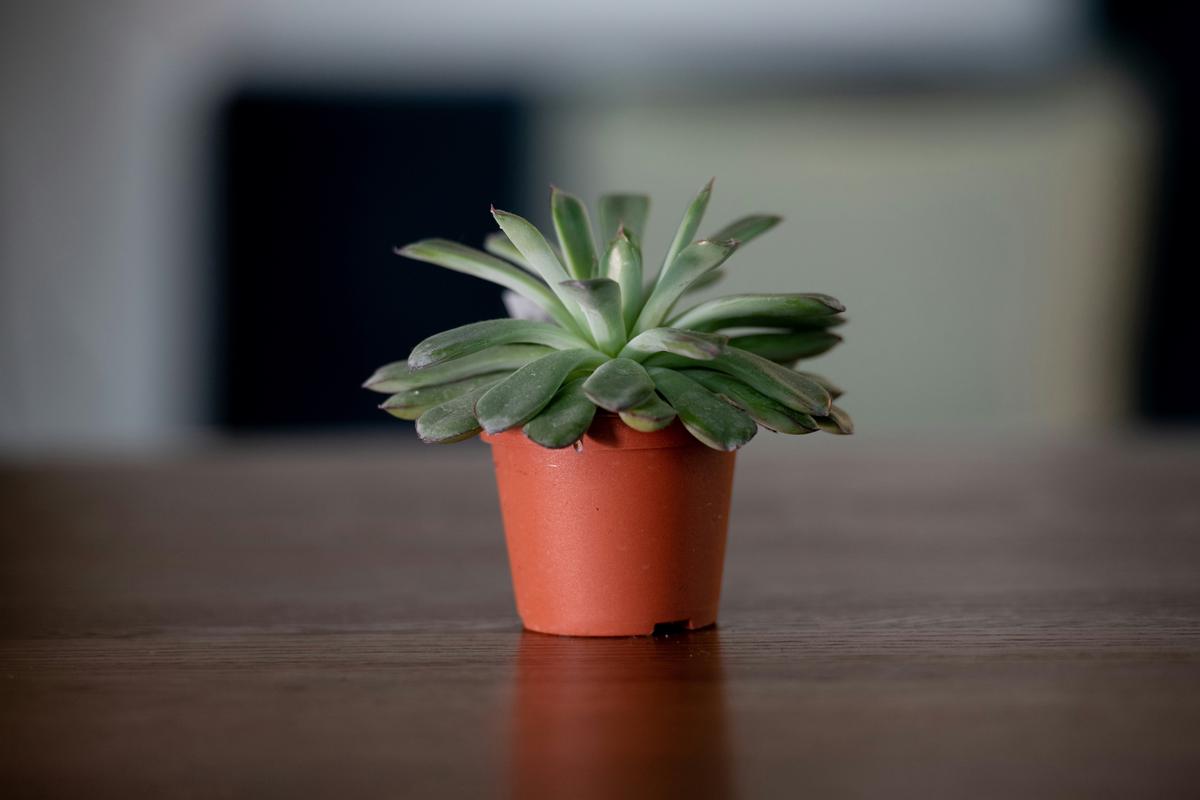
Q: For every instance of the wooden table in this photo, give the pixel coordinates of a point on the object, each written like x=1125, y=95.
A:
x=335, y=620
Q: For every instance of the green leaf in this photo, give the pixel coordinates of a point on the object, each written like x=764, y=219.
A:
x=746, y=228
x=787, y=347
x=834, y=391
x=532, y=246
x=837, y=422
x=467, y=339
x=565, y=420
x=762, y=310
x=776, y=381
x=397, y=377
x=498, y=244
x=689, y=344
x=818, y=323
x=650, y=415
x=540, y=257
x=453, y=420
x=627, y=210
x=619, y=384
x=574, y=230
x=519, y=397
x=412, y=403
x=600, y=300
x=706, y=280
x=623, y=264
x=762, y=409
x=685, y=270
x=461, y=258
x=710, y=419
x=686, y=232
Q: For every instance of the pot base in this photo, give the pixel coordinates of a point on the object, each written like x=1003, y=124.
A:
x=613, y=630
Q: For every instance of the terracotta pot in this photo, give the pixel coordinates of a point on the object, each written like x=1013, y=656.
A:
x=617, y=535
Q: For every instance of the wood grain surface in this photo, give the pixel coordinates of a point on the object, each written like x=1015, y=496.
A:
x=333, y=619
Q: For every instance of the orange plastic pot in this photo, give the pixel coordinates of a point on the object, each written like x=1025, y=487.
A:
x=617, y=535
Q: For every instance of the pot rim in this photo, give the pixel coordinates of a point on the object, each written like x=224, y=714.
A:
x=607, y=432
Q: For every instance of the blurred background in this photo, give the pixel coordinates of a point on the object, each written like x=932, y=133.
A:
x=198, y=201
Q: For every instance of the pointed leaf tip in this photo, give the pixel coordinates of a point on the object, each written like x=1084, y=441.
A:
x=618, y=385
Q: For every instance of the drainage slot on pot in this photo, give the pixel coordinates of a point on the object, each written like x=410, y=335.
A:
x=675, y=626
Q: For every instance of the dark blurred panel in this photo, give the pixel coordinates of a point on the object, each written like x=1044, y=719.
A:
x=314, y=191
x=1159, y=40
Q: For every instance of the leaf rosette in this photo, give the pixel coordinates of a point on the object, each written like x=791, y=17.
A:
x=601, y=335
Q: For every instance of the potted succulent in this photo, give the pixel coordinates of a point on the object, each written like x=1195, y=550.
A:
x=613, y=417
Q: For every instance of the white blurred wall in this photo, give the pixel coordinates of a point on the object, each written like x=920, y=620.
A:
x=964, y=235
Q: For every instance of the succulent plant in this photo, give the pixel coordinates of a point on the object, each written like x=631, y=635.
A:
x=596, y=334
